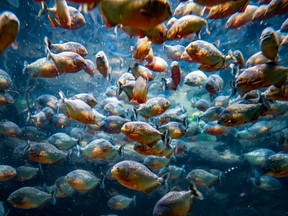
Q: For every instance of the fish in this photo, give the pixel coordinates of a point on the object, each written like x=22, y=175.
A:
x=9, y=129
x=176, y=73
x=269, y=43
x=102, y=64
x=274, y=93
x=228, y=8
x=79, y=110
x=215, y=129
x=25, y=173
x=6, y=99
x=7, y=172
x=186, y=25
x=276, y=165
x=284, y=26
x=68, y=46
x=63, y=14
x=261, y=76
x=136, y=176
x=140, y=90
x=139, y=70
x=87, y=98
x=41, y=68
x=77, y=19
x=142, y=133
x=158, y=65
x=209, y=57
x=120, y=202
x=28, y=198
x=62, y=141
x=240, y=19
x=142, y=15
x=174, y=52
x=45, y=153
x=157, y=35
x=202, y=178
x=259, y=156
x=112, y=124
x=195, y=78
x=266, y=183
x=153, y=107
x=214, y=84
x=238, y=114
x=185, y=8
x=5, y=80
x=100, y=149
x=211, y=114
x=156, y=162
x=82, y=180
x=178, y=203
x=9, y=29
x=67, y=61
x=142, y=48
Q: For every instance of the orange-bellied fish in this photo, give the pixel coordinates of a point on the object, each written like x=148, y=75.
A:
x=136, y=176
x=9, y=28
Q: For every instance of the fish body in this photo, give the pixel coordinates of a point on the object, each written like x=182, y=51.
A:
x=258, y=156
x=189, y=7
x=87, y=98
x=102, y=64
x=139, y=70
x=202, y=177
x=153, y=107
x=62, y=141
x=5, y=80
x=156, y=162
x=276, y=165
x=119, y=202
x=195, y=78
x=136, y=176
x=10, y=129
x=100, y=149
x=82, y=180
x=269, y=43
x=42, y=68
x=9, y=28
x=158, y=65
x=28, y=198
x=142, y=48
x=25, y=173
x=261, y=76
x=112, y=124
x=174, y=52
x=138, y=14
x=178, y=203
x=186, y=25
x=142, y=133
x=45, y=153
x=6, y=173
x=140, y=90
x=157, y=34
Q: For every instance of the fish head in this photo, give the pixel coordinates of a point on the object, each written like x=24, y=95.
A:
x=267, y=33
x=120, y=171
x=161, y=210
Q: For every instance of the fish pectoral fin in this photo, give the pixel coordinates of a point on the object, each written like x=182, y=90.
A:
x=14, y=45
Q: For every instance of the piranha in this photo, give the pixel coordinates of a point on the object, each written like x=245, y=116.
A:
x=9, y=28
x=136, y=176
x=178, y=203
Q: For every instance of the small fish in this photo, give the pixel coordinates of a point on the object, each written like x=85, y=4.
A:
x=9, y=28
x=112, y=124
x=63, y=14
x=79, y=110
x=100, y=149
x=153, y=107
x=266, y=183
x=215, y=129
x=185, y=8
x=136, y=176
x=258, y=156
x=195, y=78
x=82, y=180
x=269, y=43
x=9, y=129
x=228, y=8
x=62, y=141
x=157, y=35
x=41, y=68
x=202, y=178
x=211, y=114
x=214, y=84
x=158, y=65
x=7, y=172
x=87, y=98
x=25, y=173
x=139, y=70
x=178, y=203
x=142, y=48
x=120, y=202
x=142, y=15
x=6, y=99
x=68, y=46
x=102, y=64
x=156, y=162
x=142, y=132
x=140, y=90
x=186, y=25
x=174, y=52
x=276, y=165
x=67, y=61
x=5, y=80
x=28, y=198
x=45, y=153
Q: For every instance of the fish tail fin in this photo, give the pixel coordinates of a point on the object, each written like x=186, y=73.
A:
x=47, y=43
x=165, y=181
x=257, y=177
x=26, y=147
x=166, y=138
x=265, y=102
x=164, y=85
x=25, y=67
x=134, y=200
x=62, y=96
x=79, y=151
x=103, y=176
x=120, y=151
x=195, y=191
x=43, y=9
x=207, y=29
